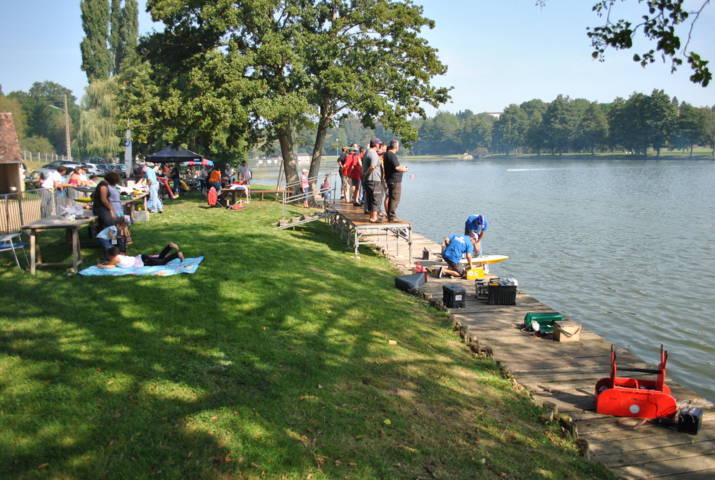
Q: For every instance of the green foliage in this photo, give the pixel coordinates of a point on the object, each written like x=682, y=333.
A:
x=99, y=134
x=307, y=63
x=43, y=105
x=592, y=131
x=510, y=130
x=691, y=127
x=110, y=36
x=96, y=57
x=37, y=144
x=663, y=23
x=128, y=33
x=13, y=105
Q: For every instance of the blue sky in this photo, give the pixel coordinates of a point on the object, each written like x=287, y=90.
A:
x=498, y=52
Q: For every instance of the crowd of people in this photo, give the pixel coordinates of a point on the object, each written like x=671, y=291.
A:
x=372, y=178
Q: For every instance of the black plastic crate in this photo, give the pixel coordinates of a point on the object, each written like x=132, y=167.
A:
x=481, y=288
x=453, y=296
x=502, y=295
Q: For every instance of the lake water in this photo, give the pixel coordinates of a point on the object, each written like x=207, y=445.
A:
x=626, y=248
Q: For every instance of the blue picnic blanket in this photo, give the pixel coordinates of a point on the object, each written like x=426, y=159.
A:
x=174, y=267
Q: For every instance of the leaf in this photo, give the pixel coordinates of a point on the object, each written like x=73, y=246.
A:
x=387, y=421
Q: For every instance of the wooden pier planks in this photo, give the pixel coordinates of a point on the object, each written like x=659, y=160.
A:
x=562, y=376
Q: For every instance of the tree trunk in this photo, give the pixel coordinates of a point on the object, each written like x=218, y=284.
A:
x=320, y=135
x=290, y=161
x=691, y=151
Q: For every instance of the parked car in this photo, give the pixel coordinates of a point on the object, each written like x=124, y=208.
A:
x=52, y=165
x=92, y=168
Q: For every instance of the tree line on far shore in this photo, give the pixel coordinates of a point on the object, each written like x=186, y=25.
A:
x=568, y=125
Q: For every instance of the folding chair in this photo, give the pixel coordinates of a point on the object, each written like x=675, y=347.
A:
x=8, y=245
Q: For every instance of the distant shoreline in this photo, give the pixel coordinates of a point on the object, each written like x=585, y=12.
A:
x=573, y=156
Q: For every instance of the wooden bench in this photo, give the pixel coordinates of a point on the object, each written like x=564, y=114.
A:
x=263, y=192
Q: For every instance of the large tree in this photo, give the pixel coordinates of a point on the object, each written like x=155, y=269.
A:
x=559, y=125
x=660, y=115
x=592, y=130
x=96, y=57
x=98, y=133
x=510, y=130
x=308, y=61
x=690, y=127
x=110, y=36
x=43, y=105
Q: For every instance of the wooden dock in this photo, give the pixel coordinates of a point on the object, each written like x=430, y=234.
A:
x=560, y=376
x=352, y=224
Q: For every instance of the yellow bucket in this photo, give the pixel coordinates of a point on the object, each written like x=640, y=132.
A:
x=475, y=273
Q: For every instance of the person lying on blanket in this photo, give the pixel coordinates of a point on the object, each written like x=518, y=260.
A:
x=116, y=259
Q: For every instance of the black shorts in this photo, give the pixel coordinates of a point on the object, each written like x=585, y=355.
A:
x=457, y=267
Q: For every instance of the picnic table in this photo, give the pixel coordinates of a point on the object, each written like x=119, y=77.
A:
x=71, y=227
x=233, y=190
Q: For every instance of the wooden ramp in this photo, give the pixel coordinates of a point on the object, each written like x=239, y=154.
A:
x=561, y=378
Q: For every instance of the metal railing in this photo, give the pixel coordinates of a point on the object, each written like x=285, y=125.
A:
x=294, y=192
x=20, y=208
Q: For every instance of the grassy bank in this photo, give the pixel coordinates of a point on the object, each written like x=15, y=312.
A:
x=284, y=358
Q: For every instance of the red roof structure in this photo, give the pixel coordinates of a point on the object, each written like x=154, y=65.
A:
x=9, y=145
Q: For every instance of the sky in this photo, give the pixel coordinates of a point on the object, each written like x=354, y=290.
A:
x=497, y=52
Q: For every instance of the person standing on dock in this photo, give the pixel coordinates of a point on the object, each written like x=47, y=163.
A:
x=372, y=178
x=344, y=180
x=453, y=248
x=393, y=179
x=475, y=226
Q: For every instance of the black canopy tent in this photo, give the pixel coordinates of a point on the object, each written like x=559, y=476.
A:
x=169, y=154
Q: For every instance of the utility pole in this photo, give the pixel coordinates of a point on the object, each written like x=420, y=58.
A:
x=128, y=152
x=67, y=132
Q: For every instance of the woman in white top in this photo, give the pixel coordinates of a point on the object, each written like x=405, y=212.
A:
x=117, y=260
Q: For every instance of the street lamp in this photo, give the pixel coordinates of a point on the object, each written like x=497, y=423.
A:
x=68, y=147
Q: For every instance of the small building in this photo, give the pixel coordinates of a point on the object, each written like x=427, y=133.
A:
x=11, y=180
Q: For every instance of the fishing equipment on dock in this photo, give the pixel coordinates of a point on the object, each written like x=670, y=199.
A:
x=567, y=331
x=453, y=295
x=410, y=283
x=502, y=291
x=542, y=322
x=644, y=398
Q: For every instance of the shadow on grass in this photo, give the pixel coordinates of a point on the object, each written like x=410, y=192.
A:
x=273, y=360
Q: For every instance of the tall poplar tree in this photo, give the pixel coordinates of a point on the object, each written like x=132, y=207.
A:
x=96, y=57
x=128, y=34
x=115, y=38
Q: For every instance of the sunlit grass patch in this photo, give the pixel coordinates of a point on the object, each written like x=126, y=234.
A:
x=282, y=357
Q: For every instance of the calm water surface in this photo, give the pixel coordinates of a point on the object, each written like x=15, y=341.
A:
x=625, y=247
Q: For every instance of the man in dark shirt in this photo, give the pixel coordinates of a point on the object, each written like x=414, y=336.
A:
x=393, y=178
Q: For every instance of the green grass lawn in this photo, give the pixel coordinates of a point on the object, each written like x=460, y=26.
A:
x=283, y=357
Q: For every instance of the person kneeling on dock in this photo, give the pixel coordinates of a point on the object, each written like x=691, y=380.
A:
x=116, y=259
x=452, y=250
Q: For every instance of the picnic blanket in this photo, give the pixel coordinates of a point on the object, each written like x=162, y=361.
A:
x=174, y=267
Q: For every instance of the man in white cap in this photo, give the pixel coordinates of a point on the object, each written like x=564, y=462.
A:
x=475, y=226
